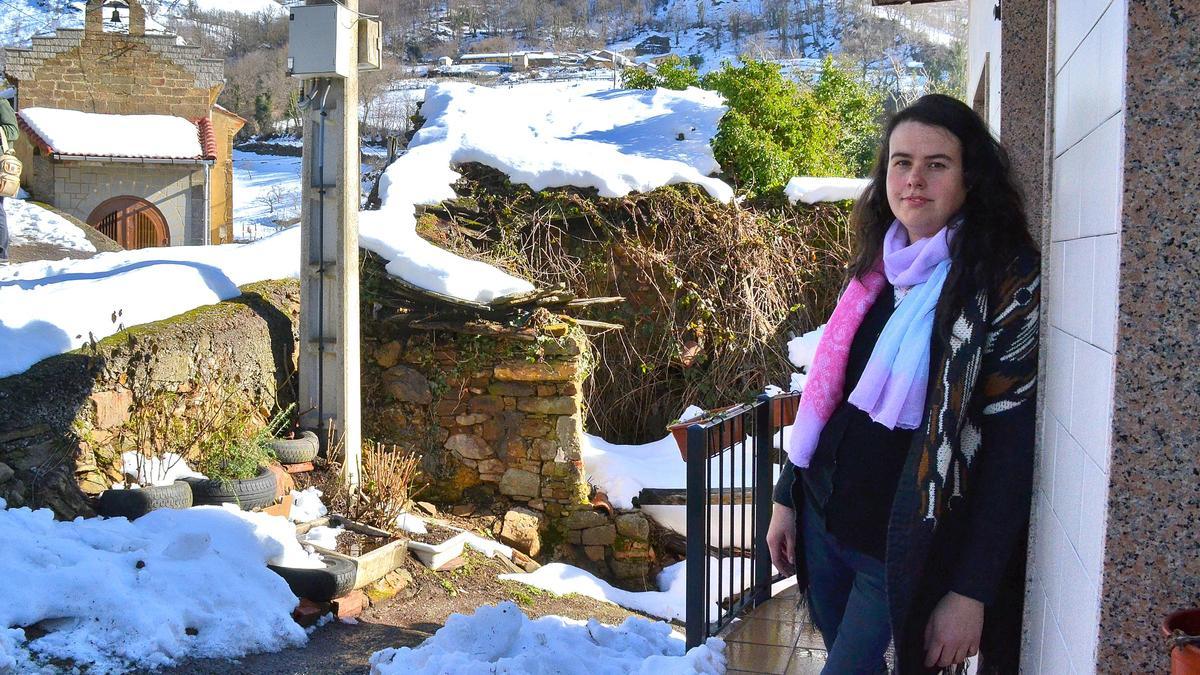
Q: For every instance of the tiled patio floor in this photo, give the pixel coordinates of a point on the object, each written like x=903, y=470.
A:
x=776, y=639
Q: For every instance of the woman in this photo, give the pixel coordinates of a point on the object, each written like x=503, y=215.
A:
x=906, y=513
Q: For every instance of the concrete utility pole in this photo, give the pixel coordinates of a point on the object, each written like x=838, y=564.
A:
x=329, y=323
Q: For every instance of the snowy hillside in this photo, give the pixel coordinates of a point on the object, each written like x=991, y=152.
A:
x=712, y=31
x=22, y=19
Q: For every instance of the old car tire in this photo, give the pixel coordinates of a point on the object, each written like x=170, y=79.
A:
x=296, y=450
x=248, y=493
x=320, y=585
x=136, y=502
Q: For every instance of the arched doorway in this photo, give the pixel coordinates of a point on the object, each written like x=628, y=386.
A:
x=132, y=222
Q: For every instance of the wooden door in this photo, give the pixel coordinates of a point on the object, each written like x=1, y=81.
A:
x=131, y=222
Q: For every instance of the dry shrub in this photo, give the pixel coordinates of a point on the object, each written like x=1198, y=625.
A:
x=387, y=483
x=714, y=291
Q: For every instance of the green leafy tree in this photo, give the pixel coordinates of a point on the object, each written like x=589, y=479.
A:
x=777, y=128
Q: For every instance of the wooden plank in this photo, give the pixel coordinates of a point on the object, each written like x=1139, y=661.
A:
x=678, y=496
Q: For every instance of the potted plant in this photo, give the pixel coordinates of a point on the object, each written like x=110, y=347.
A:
x=151, y=444
x=236, y=468
x=1182, y=630
x=291, y=444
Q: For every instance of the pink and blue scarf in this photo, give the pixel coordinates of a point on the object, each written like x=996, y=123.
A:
x=892, y=386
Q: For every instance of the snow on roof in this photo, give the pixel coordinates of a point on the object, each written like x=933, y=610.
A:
x=72, y=132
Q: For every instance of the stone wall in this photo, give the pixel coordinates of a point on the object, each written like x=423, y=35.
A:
x=176, y=190
x=119, y=73
x=494, y=413
x=58, y=420
x=615, y=546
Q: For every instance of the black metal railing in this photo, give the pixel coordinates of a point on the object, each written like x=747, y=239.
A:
x=731, y=468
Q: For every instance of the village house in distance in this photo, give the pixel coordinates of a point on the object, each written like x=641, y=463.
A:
x=84, y=98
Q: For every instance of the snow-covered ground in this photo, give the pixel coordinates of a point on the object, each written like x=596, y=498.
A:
x=31, y=224
x=668, y=602
x=501, y=639
x=113, y=594
x=266, y=191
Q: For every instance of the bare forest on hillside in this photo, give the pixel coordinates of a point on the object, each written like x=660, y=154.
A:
x=420, y=31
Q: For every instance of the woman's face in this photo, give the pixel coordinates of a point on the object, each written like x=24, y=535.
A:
x=925, y=185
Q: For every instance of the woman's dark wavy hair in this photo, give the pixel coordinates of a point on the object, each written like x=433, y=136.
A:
x=994, y=228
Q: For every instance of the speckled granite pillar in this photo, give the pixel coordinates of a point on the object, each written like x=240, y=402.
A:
x=1152, y=554
x=1023, y=92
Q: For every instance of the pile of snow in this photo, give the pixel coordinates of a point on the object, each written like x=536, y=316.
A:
x=323, y=536
x=163, y=470
x=306, y=505
x=172, y=585
x=616, y=142
x=800, y=352
x=503, y=639
x=407, y=522
x=802, y=349
x=412, y=524
x=71, y=132
x=31, y=224
x=668, y=603
x=813, y=189
x=51, y=307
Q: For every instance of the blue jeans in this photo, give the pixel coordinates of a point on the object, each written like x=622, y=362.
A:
x=3, y=230
x=848, y=601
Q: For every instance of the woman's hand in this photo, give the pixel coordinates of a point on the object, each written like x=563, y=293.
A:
x=953, y=631
x=781, y=539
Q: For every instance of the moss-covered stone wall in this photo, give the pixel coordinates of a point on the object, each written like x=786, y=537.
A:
x=59, y=421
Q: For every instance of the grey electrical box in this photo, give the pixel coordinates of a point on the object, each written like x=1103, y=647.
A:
x=370, y=44
x=319, y=40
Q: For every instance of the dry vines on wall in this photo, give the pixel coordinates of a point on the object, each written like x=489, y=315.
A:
x=713, y=291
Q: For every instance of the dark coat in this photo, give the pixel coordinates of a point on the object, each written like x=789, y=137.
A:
x=8, y=120
x=960, y=517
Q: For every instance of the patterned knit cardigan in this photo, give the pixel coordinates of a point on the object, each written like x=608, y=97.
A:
x=972, y=452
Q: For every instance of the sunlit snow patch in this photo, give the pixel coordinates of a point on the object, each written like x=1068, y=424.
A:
x=501, y=639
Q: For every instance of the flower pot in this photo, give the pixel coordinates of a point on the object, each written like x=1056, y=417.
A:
x=247, y=493
x=783, y=411
x=371, y=565
x=731, y=430
x=136, y=502
x=435, y=556
x=1182, y=630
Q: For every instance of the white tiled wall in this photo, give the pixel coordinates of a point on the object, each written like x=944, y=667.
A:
x=1081, y=336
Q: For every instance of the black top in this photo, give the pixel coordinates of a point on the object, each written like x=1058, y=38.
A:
x=857, y=463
